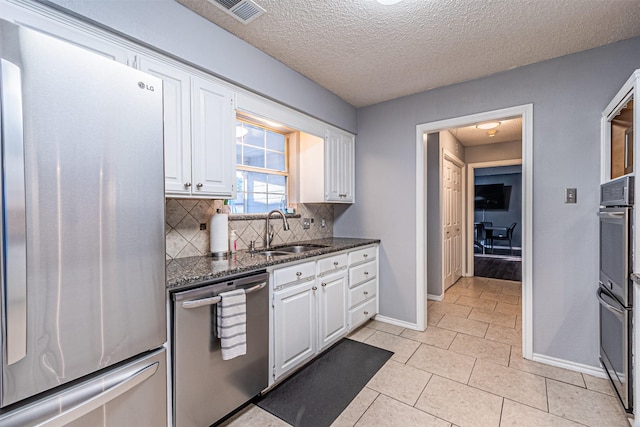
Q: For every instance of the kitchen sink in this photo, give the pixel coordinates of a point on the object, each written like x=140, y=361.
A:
x=296, y=249
x=290, y=249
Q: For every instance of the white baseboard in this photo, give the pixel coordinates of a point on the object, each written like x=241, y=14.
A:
x=572, y=366
x=435, y=297
x=396, y=322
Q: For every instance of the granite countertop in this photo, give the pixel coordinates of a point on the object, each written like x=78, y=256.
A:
x=184, y=272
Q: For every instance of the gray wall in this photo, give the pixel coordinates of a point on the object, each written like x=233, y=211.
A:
x=174, y=29
x=568, y=96
x=493, y=152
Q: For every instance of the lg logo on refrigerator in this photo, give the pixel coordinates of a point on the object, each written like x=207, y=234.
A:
x=143, y=85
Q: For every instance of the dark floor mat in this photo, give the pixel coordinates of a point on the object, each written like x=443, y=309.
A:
x=315, y=396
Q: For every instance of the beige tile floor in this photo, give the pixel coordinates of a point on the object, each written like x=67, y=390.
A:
x=466, y=369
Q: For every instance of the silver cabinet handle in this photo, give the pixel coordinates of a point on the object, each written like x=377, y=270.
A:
x=365, y=255
x=315, y=288
x=366, y=293
x=366, y=313
x=336, y=263
x=13, y=233
x=366, y=273
x=298, y=273
x=214, y=300
x=324, y=285
x=187, y=184
x=199, y=185
x=97, y=401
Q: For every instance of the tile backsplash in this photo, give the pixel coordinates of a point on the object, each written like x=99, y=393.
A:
x=185, y=238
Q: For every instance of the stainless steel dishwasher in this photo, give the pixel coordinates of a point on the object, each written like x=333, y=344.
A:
x=205, y=387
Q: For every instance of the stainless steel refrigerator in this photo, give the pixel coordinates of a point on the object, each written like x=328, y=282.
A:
x=82, y=305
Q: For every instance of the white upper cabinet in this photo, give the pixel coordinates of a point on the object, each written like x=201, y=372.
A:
x=177, y=124
x=199, y=143
x=213, y=124
x=339, y=168
x=326, y=168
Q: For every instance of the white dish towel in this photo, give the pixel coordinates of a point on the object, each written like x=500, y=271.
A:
x=232, y=323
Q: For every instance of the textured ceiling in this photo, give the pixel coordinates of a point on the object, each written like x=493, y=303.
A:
x=367, y=53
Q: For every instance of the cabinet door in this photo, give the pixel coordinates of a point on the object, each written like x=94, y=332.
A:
x=294, y=326
x=177, y=124
x=333, y=309
x=339, y=168
x=347, y=168
x=213, y=157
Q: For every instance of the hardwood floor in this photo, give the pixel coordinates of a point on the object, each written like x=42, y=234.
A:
x=498, y=267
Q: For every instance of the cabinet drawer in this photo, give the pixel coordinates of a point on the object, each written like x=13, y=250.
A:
x=362, y=273
x=332, y=264
x=295, y=273
x=360, y=314
x=362, y=255
x=362, y=292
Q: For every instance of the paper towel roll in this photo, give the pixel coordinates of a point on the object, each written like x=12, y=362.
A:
x=219, y=232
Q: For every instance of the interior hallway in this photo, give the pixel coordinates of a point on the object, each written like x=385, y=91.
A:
x=466, y=369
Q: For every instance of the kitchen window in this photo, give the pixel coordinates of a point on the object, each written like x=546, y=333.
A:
x=261, y=169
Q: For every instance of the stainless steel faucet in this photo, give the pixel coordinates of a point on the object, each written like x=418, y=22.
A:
x=269, y=230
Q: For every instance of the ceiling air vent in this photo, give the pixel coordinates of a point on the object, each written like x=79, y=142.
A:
x=244, y=11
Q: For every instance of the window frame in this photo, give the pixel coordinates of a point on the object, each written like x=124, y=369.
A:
x=286, y=173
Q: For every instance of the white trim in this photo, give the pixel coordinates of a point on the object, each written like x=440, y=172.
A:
x=397, y=322
x=433, y=297
x=421, y=227
x=526, y=111
x=572, y=366
x=471, y=167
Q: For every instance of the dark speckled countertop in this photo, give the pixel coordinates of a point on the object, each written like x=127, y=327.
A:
x=184, y=272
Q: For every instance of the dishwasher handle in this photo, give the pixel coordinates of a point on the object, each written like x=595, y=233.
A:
x=216, y=299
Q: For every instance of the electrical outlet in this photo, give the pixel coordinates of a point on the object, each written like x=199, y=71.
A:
x=203, y=226
x=323, y=224
x=306, y=223
x=571, y=195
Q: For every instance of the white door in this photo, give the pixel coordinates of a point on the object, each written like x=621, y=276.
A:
x=451, y=222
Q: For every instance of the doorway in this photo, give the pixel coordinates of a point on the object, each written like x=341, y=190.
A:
x=424, y=211
x=495, y=204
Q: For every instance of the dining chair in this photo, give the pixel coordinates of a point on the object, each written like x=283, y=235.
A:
x=508, y=235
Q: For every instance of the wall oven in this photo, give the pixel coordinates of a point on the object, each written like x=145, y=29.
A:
x=615, y=290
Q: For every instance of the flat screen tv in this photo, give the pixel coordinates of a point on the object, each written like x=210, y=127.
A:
x=492, y=196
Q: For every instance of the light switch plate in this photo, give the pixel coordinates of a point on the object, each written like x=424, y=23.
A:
x=571, y=195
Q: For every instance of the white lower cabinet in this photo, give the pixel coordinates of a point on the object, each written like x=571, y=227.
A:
x=315, y=303
x=294, y=326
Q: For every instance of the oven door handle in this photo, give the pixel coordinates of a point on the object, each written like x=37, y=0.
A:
x=615, y=310
x=214, y=300
x=611, y=214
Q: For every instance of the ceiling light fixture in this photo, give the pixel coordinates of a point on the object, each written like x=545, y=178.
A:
x=487, y=125
x=388, y=2
x=492, y=133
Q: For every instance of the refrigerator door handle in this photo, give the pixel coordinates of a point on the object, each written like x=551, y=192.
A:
x=13, y=230
x=103, y=398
